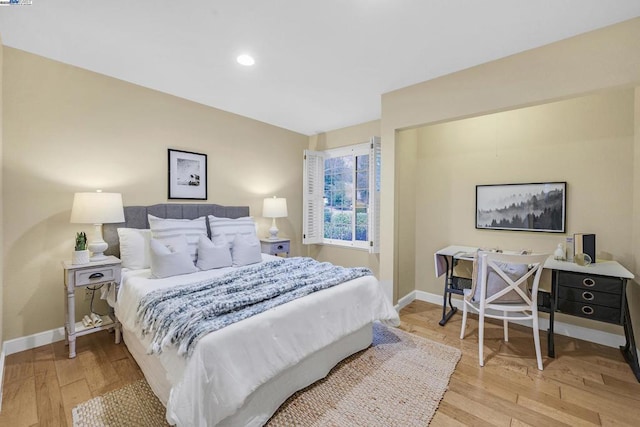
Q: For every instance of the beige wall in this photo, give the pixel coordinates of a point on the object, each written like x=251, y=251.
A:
x=1, y=199
x=633, y=290
x=587, y=142
x=602, y=59
x=406, y=185
x=346, y=257
x=68, y=129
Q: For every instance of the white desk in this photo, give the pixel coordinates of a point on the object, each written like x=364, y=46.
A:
x=596, y=291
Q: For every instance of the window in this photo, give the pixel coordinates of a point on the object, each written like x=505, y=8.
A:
x=342, y=196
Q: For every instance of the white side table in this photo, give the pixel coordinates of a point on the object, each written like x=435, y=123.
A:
x=275, y=247
x=80, y=276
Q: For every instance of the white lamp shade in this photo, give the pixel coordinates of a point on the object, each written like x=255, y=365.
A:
x=97, y=208
x=274, y=208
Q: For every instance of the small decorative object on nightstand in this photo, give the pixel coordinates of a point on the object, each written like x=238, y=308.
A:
x=275, y=247
x=80, y=276
x=81, y=254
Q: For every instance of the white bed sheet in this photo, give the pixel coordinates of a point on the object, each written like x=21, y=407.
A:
x=229, y=364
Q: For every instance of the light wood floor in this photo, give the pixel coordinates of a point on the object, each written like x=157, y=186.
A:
x=587, y=384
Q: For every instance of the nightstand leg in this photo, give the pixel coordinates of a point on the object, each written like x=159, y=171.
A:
x=66, y=320
x=118, y=330
x=71, y=321
x=72, y=346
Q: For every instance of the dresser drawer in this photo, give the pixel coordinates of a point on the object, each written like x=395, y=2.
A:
x=590, y=282
x=274, y=248
x=107, y=273
x=589, y=297
x=590, y=311
x=280, y=247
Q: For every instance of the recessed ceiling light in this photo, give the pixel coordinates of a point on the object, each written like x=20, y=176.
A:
x=246, y=60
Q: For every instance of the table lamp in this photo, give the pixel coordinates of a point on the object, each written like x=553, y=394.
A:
x=97, y=208
x=274, y=208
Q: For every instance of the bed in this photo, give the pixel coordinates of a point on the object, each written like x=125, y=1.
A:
x=241, y=374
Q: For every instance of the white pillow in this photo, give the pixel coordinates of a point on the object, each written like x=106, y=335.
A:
x=134, y=248
x=214, y=254
x=230, y=227
x=172, y=259
x=245, y=250
x=165, y=229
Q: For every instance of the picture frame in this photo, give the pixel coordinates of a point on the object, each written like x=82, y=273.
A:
x=187, y=176
x=537, y=206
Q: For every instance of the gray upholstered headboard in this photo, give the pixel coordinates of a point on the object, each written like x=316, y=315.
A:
x=136, y=217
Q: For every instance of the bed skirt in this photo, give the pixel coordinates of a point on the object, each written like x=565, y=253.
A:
x=265, y=400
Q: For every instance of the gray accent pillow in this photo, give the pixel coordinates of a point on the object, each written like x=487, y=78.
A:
x=170, y=258
x=495, y=283
x=245, y=250
x=214, y=254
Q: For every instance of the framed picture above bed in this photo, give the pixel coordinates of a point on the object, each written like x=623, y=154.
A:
x=187, y=175
x=522, y=207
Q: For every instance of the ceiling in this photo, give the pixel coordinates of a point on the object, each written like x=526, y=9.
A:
x=320, y=65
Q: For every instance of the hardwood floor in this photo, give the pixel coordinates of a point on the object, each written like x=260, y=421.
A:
x=587, y=384
x=42, y=385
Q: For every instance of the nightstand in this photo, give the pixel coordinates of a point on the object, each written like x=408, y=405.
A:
x=80, y=276
x=275, y=247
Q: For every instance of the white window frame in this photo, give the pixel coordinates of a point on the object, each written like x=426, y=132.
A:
x=313, y=195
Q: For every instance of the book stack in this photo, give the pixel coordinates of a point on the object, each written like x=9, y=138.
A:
x=585, y=244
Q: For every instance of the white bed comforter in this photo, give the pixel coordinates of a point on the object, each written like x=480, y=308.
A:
x=229, y=364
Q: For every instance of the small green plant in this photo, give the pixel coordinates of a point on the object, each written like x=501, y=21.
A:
x=81, y=241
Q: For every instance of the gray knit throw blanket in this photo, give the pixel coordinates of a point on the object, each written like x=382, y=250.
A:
x=180, y=316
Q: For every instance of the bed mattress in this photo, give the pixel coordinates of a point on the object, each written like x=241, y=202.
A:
x=229, y=365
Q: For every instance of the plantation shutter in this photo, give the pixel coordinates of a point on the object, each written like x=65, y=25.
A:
x=312, y=197
x=374, y=195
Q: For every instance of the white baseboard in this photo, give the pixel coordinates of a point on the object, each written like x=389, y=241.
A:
x=1, y=377
x=560, y=328
x=405, y=301
x=17, y=345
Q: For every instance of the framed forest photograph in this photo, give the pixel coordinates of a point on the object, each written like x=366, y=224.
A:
x=522, y=207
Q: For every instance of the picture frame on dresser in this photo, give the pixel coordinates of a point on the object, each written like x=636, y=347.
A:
x=540, y=206
x=187, y=175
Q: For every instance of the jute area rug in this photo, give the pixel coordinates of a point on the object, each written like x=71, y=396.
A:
x=399, y=380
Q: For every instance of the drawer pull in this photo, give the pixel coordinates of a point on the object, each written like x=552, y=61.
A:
x=280, y=246
x=587, y=296
x=588, y=282
x=96, y=276
x=587, y=310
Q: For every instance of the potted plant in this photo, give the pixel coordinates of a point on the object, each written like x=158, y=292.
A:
x=81, y=253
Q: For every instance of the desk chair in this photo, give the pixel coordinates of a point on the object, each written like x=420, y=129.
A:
x=500, y=291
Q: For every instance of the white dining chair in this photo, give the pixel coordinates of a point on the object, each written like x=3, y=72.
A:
x=505, y=287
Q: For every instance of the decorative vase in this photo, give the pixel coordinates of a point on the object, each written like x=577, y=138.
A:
x=80, y=257
x=559, y=253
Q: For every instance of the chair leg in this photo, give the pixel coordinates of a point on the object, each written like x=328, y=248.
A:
x=464, y=320
x=506, y=327
x=481, y=338
x=536, y=340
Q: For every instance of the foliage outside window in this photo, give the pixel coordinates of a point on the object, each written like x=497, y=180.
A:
x=348, y=204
